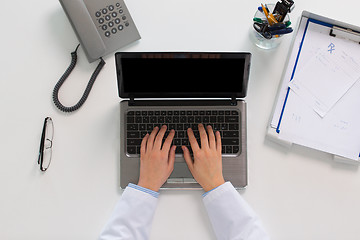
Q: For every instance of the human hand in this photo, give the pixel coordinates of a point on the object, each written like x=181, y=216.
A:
x=156, y=162
x=206, y=167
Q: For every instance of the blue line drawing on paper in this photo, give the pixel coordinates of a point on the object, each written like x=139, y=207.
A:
x=331, y=48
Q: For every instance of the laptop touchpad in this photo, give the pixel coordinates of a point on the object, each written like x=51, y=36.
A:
x=181, y=170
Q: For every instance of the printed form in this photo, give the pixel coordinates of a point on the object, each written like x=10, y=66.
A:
x=327, y=76
x=322, y=108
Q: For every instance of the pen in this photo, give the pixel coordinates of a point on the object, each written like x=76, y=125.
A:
x=261, y=10
x=281, y=31
x=259, y=20
x=262, y=28
x=277, y=26
x=271, y=19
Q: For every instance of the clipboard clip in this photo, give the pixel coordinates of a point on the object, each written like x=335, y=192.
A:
x=345, y=34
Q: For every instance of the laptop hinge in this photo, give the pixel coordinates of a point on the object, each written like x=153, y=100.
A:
x=131, y=100
x=222, y=102
x=233, y=101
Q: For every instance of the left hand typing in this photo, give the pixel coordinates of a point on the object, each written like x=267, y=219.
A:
x=156, y=159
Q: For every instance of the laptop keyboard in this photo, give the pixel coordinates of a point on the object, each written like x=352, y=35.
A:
x=139, y=123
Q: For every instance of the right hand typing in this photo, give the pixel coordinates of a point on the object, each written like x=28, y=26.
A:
x=206, y=167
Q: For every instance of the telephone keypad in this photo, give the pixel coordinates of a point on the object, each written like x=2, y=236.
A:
x=111, y=19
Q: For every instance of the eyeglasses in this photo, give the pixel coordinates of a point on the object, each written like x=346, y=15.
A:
x=45, y=150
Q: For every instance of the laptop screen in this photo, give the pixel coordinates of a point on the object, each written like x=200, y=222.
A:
x=161, y=75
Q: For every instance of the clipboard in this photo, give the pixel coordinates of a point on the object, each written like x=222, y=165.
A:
x=333, y=28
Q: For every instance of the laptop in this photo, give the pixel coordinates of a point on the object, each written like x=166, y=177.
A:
x=181, y=90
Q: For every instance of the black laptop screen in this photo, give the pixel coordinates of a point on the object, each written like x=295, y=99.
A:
x=160, y=75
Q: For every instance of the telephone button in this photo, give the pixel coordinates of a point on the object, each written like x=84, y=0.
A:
x=104, y=27
x=101, y=20
x=114, y=14
x=107, y=34
x=113, y=30
x=111, y=24
x=120, y=27
x=117, y=20
x=104, y=11
x=107, y=17
x=111, y=7
x=98, y=14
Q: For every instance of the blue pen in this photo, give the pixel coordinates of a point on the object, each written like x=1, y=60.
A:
x=261, y=10
x=281, y=31
x=277, y=26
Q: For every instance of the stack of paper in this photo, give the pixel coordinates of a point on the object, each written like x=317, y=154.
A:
x=322, y=109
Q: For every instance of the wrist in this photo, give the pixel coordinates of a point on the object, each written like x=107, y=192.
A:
x=148, y=186
x=213, y=185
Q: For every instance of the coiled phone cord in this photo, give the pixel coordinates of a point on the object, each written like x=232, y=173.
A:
x=85, y=95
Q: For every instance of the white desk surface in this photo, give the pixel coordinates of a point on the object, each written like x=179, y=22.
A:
x=298, y=193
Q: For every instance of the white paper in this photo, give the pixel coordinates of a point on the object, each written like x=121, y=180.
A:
x=286, y=78
x=327, y=76
x=338, y=132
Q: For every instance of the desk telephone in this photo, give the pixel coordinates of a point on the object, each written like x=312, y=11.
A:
x=102, y=26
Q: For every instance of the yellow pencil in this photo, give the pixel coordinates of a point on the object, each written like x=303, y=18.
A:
x=271, y=19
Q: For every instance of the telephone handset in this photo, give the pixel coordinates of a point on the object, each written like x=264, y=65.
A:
x=102, y=26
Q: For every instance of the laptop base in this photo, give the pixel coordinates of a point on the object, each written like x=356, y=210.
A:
x=234, y=166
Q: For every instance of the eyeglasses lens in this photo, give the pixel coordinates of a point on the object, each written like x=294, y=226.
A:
x=47, y=152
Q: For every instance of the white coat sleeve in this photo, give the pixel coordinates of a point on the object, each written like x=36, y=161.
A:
x=132, y=216
x=230, y=216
